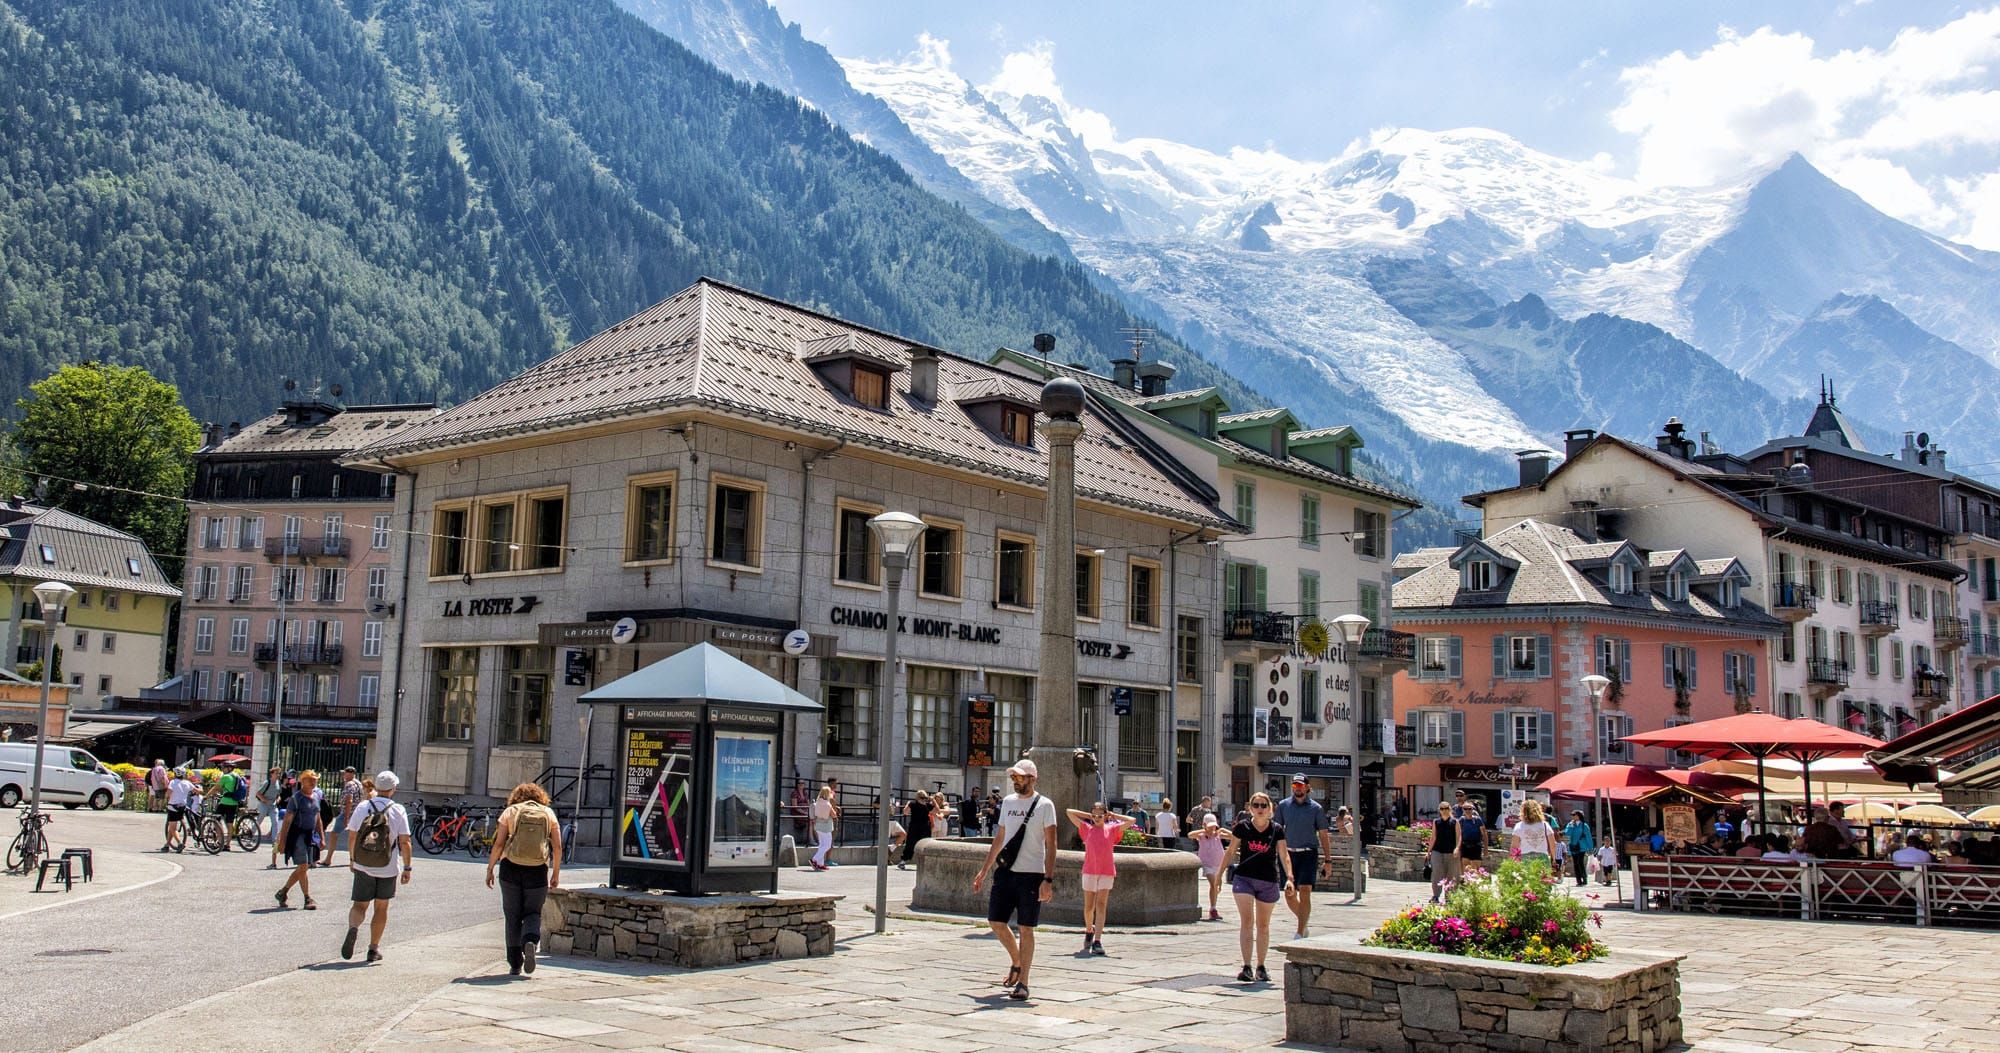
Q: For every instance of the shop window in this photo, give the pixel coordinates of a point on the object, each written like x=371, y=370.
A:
x=524, y=707
x=454, y=702
x=1013, y=696
x=1139, y=734
x=933, y=732
x=847, y=690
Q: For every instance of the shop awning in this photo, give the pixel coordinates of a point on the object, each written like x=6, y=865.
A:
x=1914, y=756
x=87, y=733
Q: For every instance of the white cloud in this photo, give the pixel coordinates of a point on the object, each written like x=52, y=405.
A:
x=1887, y=123
x=1032, y=74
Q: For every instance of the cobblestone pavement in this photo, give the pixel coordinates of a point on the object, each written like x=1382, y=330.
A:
x=1748, y=986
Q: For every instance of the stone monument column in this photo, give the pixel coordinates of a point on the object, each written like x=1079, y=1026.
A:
x=1054, y=735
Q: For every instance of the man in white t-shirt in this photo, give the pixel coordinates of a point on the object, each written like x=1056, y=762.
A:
x=1021, y=886
x=376, y=873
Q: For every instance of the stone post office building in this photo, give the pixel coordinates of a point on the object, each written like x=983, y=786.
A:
x=707, y=468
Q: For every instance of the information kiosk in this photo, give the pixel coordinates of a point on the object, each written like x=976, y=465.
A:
x=701, y=743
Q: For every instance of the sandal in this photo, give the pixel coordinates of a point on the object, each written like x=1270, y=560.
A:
x=1019, y=993
x=310, y=905
x=1013, y=976
x=280, y=897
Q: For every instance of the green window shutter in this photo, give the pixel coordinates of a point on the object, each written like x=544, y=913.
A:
x=1263, y=587
x=1371, y=603
x=1232, y=590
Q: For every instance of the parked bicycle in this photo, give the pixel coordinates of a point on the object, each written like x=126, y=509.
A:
x=30, y=845
x=248, y=832
x=204, y=830
x=480, y=833
x=442, y=832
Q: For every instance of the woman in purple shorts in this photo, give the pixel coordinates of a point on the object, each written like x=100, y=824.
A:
x=1256, y=848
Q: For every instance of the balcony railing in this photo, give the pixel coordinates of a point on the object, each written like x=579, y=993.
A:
x=305, y=547
x=1239, y=729
x=1878, y=615
x=1933, y=688
x=1827, y=671
x=25, y=653
x=1371, y=736
x=1949, y=630
x=301, y=654
x=1984, y=646
x=1389, y=645
x=1262, y=626
x=260, y=707
x=1791, y=597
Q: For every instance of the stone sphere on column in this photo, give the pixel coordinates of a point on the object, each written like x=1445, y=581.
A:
x=1062, y=399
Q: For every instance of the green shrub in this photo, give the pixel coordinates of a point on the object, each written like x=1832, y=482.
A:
x=1520, y=912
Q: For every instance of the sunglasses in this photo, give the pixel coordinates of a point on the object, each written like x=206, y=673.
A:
x=1260, y=804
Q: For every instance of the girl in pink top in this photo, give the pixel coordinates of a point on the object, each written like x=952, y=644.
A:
x=1100, y=829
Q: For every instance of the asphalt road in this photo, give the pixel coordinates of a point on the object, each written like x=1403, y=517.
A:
x=76, y=972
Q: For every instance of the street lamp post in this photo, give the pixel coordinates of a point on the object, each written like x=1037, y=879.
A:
x=1596, y=685
x=53, y=596
x=897, y=532
x=1352, y=628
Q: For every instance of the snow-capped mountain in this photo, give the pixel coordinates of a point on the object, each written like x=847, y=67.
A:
x=1272, y=265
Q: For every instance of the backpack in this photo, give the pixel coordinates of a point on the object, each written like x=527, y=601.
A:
x=372, y=843
x=1012, y=849
x=239, y=789
x=528, y=846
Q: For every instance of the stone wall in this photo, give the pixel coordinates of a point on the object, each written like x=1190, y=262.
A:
x=1156, y=886
x=1395, y=862
x=1371, y=998
x=691, y=931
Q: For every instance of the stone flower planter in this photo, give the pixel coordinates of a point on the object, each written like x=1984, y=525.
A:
x=1397, y=862
x=1156, y=886
x=1374, y=998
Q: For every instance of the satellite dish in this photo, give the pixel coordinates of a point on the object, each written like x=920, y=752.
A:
x=1923, y=439
x=378, y=608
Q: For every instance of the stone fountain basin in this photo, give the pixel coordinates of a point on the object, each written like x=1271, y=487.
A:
x=1156, y=886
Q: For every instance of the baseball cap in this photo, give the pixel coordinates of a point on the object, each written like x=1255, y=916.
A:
x=386, y=781
x=1299, y=779
x=1024, y=767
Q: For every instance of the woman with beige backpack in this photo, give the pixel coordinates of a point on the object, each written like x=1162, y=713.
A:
x=527, y=853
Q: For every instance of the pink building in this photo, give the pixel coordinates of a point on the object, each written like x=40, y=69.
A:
x=288, y=590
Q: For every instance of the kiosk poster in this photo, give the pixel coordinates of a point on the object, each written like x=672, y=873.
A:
x=656, y=823
x=745, y=774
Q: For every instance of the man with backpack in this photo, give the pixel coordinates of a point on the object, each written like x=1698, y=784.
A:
x=1022, y=861
x=527, y=853
x=377, y=841
x=231, y=790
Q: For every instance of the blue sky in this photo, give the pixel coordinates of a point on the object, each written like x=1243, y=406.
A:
x=1898, y=99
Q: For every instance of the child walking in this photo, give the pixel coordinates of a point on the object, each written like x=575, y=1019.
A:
x=1100, y=829
x=1210, y=842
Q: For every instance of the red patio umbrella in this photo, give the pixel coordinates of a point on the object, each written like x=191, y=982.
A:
x=1582, y=782
x=1760, y=735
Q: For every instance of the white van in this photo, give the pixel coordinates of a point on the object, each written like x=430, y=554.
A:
x=70, y=776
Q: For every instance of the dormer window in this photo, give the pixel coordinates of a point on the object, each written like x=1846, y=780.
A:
x=1208, y=424
x=1730, y=593
x=1677, y=585
x=1621, y=579
x=1481, y=575
x=1017, y=425
x=48, y=554
x=871, y=387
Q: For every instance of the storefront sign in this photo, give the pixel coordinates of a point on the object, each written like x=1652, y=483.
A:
x=485, y=608
x=1496, y=774
x=935, y=628
x=1678, y=824
x=979, y=731
x=768, y=639
x=1444, y=698
x=559, y=633
x=1318, y=765
x=576, y=667
x=1121, y=701
x=1103, y=649
x=667, y=713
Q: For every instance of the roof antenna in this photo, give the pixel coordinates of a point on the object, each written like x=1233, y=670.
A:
x=1137, y=337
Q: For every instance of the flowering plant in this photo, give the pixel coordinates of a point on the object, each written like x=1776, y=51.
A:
x=1520, y=913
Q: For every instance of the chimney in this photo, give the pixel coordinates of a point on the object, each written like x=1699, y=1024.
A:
x=1153, y=377
x=1673, y=440
x=1534, y=466
x=211, y=433
x=1937, y=458
x=1909, y=455
x=1575, y=439
x=1708, y=446
x=1122, y=371
x=234, y=428
x=924, y=375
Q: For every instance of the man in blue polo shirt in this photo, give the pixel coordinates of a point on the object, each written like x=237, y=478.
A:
x=1307, y=838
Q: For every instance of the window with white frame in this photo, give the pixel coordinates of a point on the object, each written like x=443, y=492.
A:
x=378, y=583
x=204, y=636
x=1481, y=575
x=1621, y=578
x=368, y=691
x=1440, y=733
x=1439, y=658
x=378, y=536
x=239, y=636
x=371, y=639
x=242, y=584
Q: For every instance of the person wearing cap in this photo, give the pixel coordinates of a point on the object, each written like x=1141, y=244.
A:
x=350, y=795
x=1025, y=879
x=376, y=883
x=1308, y=839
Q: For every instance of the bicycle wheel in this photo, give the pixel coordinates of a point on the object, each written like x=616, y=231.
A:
x=212, y=836
x=248, y=834
x=28, y=848
x=177, y=835
x=429, y=838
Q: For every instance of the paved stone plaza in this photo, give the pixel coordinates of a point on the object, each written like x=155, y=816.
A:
x=1748, y=985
